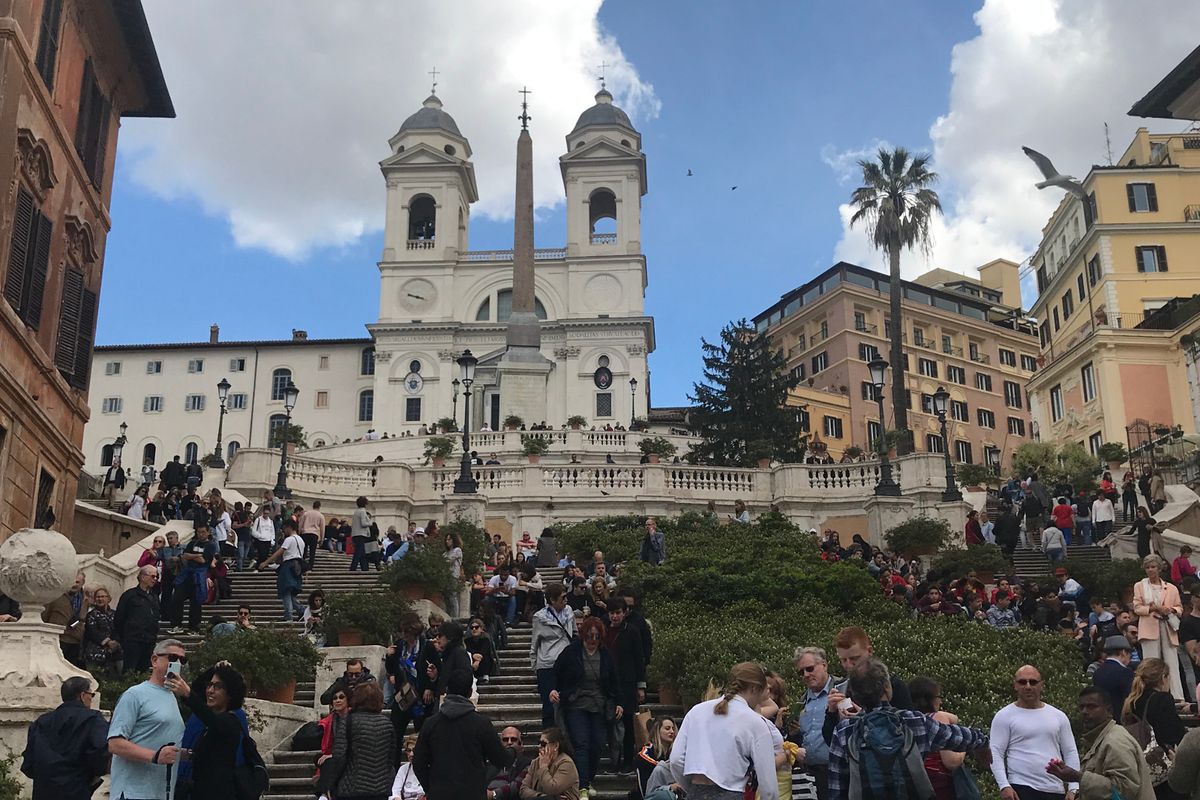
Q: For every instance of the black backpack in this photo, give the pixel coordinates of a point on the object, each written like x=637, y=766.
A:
x=251, y=779
x=885, y=761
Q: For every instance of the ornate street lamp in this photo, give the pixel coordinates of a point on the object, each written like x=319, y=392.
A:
x=632, y=402
x=222, y=396
x=466, y=483
x=290, y=395
x=887, y=486
x=119, y=444
x=455, y=383
x=941, y=401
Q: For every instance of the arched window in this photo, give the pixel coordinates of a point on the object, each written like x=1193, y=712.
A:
x=191, y=452
x=504, y=306
x=149, y=454
x=231, y=450
x=279, y=381
x=484, y=314
x=602, y=216
x=366, y=405
x=367, y=365
x=275, y=422
x=106, y=455
x=422, y=218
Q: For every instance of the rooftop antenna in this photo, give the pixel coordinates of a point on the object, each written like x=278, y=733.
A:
x=524, y=92
x=434, y=73
x=604, y=65
x=1107, y=144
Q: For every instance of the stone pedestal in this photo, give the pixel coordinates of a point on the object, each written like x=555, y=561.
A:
x=884, y=513
x=523, y=373
x=466, y=507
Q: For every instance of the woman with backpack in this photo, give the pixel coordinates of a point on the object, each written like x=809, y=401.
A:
x=1150, y=710
x=220, y=744
x=720, y=740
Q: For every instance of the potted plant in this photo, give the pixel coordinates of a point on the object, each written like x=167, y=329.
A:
x=1113, y=454
x=918, y=536
x=576, y=421
x=447, y=425
x=985, y=560
x=854, y=451
x=657, y=448
x=271, y=661
x=437, y=448
x=535, y=447
x=423, y=574
x=364, y=616
x=639, y=425
x=894, y=438
x=512, y=422
x=973, y=476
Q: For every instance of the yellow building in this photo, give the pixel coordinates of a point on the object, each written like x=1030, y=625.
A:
x=1118, y=274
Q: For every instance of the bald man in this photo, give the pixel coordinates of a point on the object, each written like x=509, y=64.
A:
x=135, y=625
x=504, y=783
x=1025, y=736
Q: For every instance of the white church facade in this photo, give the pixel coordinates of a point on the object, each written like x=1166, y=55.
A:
x=437, y=299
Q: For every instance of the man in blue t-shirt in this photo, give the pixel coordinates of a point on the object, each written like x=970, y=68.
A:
x=191, y=584
x=145, y=731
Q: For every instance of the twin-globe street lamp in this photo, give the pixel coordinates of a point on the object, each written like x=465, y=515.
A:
x=290, y=395
x=887, y=486
x=941, y=401
x=466, y=483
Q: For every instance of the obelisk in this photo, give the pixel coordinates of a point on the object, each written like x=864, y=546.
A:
x=523, y=369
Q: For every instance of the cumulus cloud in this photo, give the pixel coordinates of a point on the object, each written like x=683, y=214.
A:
x=285, y=106
x=1044, y=73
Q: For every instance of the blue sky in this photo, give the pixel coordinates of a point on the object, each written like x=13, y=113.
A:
x=775, y=100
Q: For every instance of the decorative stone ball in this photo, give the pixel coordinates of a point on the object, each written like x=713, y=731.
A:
x=36, y=566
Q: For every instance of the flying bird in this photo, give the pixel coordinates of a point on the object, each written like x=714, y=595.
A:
x=733, y=189
x=1053, y=177
x=689, y=173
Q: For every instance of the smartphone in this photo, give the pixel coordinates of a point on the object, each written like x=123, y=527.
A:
x=174, y=668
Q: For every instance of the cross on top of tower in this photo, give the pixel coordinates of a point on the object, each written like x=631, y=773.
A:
x=604, y=65
x=524, y=92
x=434, y=73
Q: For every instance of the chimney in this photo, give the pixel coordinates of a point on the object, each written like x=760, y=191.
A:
x=299, y=335
x=214, y=333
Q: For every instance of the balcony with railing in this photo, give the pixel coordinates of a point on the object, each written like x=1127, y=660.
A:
x=1191, y=213
x=604, y=238
x=541, y=254
x=866, y=327
x=928, y=344
x=421, y=244
x=981, y=358
x=951, y=350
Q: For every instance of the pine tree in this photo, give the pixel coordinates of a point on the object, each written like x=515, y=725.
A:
x=740, y=409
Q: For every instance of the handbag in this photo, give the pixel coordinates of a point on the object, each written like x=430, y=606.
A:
x=405, y=696
x=964, y=785
x=251, y=779
x=1155, y=754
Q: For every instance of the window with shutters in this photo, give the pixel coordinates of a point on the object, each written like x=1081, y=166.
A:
x=870, y=392
x=1029, y=363
x=323, y=362
x=962, y=452
x=874, y=435
x=1152, y=258
x=1008, y=358
x=237, y=365
x=112, y=368
x=28, y=259
x=1142, y=197
x=1087, y=379
x=1080, y=287
x=111, y=405
x=1054, y=316
x=867, y=352
x=1056, y=403
x=1068, y=305
x=237, y=401
x=927, y=367
x=76, y=329
x=959, y=411
x=1094, y=271
x=48, y=36
x=1094, y=443
x=193, y=402
x=152, y=404
x=819, y=362
x=983, y=382
x=956, y=374
x=987, y=419
x=153, y=367
x=322, y=400
x=833, y=427
x=91, y=129
x=196, y=365
x=1016, y=426
x=934, y=443
x=43, y=511
x=927, y=403
x=1012, y=394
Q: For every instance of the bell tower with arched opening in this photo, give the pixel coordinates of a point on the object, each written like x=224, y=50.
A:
x=604, y=173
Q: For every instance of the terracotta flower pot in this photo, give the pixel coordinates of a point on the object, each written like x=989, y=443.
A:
x=439, y=461
x=349, y=637
x=654, y=458
x=535, y=459
x=280, y=694
x=764, y=463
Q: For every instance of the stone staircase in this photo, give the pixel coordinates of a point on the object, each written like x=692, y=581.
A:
x=1031, y=563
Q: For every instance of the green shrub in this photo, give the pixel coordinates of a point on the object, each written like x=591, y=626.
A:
x=267, y=659
x=438, y=447
x=1112, y=451
x=10, y=780
x=976, y=557
x=1107, y=580
x=377, y=615
x=513, y=421
x=111, y=687
x=425, y=568
x=534, y=445
x=657, y=446
x=973, y=475
x=919, y=536
x=618, y=537
x=447, y=425
x=576, y=421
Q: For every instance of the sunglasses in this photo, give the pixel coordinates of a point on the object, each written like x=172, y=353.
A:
x=173, y=658
x=1028, y=681
x=544, y=743
x=476, y=627
x=592, y=637
x=809, y=669
x=510, y=739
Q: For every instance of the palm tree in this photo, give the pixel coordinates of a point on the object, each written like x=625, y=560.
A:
x=896, y=204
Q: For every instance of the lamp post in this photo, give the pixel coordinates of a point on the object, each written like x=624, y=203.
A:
x=466, y=483
x=887, y=486
x=632, y=402
x=454, y=398
x=941, y=400
x=222, y=396
x=290, y=394
x=119, y=444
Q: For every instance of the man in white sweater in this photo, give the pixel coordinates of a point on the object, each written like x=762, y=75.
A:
x=1025, y=736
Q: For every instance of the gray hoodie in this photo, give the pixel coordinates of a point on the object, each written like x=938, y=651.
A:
x=552, y=633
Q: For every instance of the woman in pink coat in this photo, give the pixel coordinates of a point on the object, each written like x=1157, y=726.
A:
x=1155, y=602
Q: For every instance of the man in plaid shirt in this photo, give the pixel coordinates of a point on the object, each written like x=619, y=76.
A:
x=870, y=686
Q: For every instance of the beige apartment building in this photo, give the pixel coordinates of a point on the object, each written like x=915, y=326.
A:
x=965, y=334
x=1118, y=273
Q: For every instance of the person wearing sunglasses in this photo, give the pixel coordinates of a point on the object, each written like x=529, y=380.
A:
x=552, y=774
x=482, y=649
x=504, y=783
x=214, y=735
x=1025, y=735
x=406, y=786
x=67, y=751
x=145, y=729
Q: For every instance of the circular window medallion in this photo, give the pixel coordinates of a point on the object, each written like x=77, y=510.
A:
x=414, y=366
x=413, y=383
x=602, y=361
x=603, y=378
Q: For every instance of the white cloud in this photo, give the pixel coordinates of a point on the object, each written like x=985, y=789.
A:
x=1042, y=73
x=285, y=106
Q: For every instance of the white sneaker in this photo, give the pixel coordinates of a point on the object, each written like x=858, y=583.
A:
x=583, y=794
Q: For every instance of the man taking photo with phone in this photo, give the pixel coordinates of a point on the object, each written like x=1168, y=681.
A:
x=145, y=729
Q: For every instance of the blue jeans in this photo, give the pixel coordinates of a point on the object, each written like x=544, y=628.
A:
x=450, y=598
x=359, y=559
x=545, y=681
x=587, y=732
x=1085, y=530
x=291, y=609
x=1057, y=555
x=509, y=606
x=243, y=548
x=1066, y=532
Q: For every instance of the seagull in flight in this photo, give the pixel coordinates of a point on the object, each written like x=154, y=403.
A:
x=689, y=173
x=733, y=189
x=1053, y=176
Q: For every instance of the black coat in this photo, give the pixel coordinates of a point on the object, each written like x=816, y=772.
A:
x=172, y=474
x=453, y=751
x=626, y=649
x=137, y=616
x=634, y=619
x=214, y=753
x=455, y=658
x=1116, y=680
x=568, y=674
x=1007, y=530
x=66, y=753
